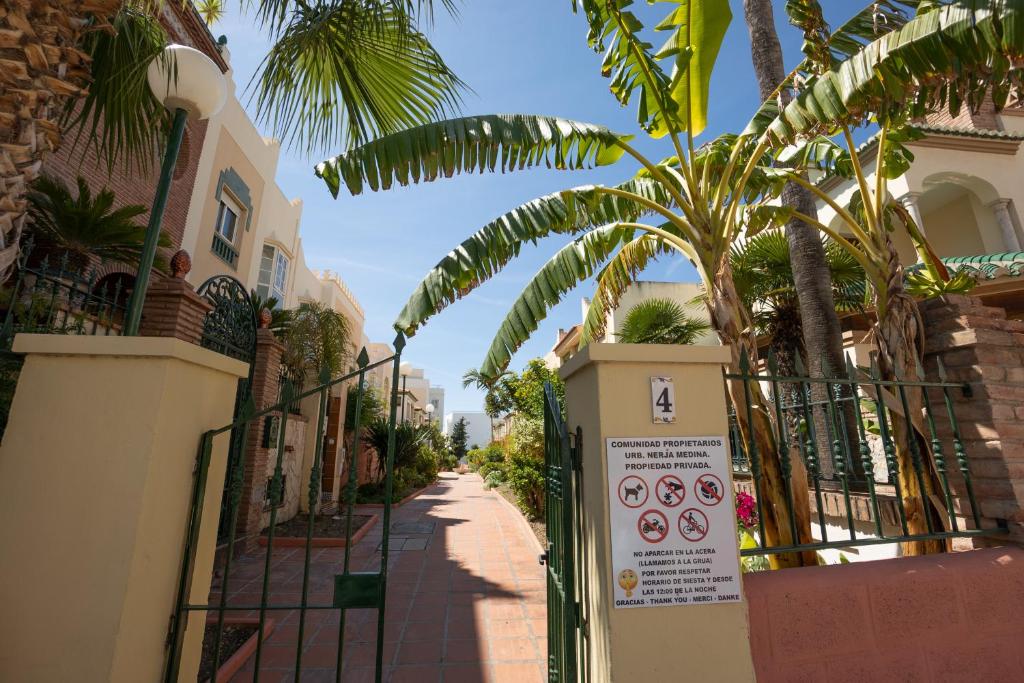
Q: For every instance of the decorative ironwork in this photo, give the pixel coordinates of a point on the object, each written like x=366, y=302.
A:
x=230, y=328
x=563, y=515
x=352, y=589
x=858, y=512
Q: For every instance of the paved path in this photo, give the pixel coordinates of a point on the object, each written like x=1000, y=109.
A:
x=466, y=597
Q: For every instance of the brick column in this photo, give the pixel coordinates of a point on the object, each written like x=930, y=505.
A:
x=978, y=345
x=172, y=308
x=266, y=378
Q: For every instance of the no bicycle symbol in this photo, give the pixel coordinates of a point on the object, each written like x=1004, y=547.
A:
x=653, y=526
x=671, y=490
x=709, y=489
x=693, y=524
x=633, y=491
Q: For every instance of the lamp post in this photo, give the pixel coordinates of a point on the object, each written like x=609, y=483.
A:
x=188, y=83
x=429, y=408
x=405, y=369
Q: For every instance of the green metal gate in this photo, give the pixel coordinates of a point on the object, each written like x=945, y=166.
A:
x=351, y=589
x=566, y=580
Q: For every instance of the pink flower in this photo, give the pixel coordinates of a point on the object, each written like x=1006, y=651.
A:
x=746, y=510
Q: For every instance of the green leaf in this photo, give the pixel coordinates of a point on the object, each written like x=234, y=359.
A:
x=698, y=29
x=660, y=321
x=486, y=252
x=504, y=142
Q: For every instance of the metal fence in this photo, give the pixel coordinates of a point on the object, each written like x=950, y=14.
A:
x=862, y=481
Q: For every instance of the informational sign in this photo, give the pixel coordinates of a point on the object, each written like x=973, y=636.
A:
x=673, y=537
x=663, y=400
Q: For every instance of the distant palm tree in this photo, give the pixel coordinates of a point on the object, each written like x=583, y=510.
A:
x=85, y=225
x=660, y=321
x=497, y=396
x=316, y=340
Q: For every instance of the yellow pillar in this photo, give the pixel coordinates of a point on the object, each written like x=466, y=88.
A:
x=693, y=625
x=95, y=479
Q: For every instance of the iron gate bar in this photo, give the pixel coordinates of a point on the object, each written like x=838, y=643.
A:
x=247, y=416
x=886, y=393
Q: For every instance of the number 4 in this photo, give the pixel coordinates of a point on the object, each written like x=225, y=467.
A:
x=663, y=402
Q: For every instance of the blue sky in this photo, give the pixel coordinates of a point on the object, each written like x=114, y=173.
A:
x=525, y=56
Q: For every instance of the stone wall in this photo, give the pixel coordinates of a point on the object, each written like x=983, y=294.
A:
x=980, y=347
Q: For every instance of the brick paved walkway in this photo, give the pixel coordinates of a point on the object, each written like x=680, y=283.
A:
x=466, y=597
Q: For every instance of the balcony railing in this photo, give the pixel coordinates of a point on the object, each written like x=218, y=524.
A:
x=224, y=250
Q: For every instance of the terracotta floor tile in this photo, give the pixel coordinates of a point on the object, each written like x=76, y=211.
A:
x=513, y=649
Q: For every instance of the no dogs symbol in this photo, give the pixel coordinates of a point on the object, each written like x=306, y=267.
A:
x=653, y=526
x=671, y=490
x=693, y=524
x=709, y=489
x=633, y=492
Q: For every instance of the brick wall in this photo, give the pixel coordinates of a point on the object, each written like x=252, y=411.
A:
x=979, y=346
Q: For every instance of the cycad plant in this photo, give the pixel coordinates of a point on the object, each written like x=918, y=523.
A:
x=660, y=321
x=702, y=198
x=86, y=225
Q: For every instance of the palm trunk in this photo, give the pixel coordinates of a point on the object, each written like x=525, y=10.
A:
x=782, y=487
x=822, y=333
x=38, y=39
x=899, y=341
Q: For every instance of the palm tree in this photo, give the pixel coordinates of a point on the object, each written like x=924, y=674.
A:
x=497, y=393
x=44, y=73
x=705, y=196
x=86, y=225
x=316, y=340
x=280, y=318
x=338, y=72
x=660, y=321
x=408, y=438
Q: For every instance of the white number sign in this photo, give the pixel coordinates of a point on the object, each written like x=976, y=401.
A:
x=663, y=400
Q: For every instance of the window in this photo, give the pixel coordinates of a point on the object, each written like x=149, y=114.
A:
x=227, y=219
x=273, y=276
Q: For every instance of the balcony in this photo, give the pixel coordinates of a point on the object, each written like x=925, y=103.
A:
x=225, y=251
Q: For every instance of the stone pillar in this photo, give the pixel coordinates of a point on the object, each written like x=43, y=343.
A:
x=1005, y=215
x=608, y=391
x=96, y=473
x=172, y=308
x=910, y=203
x=266, y=391
x=978, y=345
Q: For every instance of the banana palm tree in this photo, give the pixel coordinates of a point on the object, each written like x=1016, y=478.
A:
x=703, y=197
x=338, y=72
x=660, y=321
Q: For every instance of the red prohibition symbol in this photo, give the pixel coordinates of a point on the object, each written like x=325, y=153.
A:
x=670, y=490
x=653, y=526
x=709, y=489
x=633, y=491
x=693, y=524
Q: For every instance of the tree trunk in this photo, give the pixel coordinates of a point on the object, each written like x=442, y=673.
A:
x=784, y=508
x=899, y=340
x=43, y=71
x=822, y=333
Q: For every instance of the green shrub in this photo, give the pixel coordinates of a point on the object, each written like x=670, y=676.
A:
x=525, y=475
x=493, y=480
x=489, y=468
x=491, y=453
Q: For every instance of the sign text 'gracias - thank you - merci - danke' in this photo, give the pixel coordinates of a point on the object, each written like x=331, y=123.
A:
x=673, y=521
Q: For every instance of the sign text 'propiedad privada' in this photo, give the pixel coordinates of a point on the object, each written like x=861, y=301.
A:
x=673, y=521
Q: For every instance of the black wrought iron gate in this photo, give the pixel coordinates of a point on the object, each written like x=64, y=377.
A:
x=351, y=589
x=566, y=580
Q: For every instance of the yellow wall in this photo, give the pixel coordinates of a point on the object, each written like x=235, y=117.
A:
x=95, y=478
x=608, y=393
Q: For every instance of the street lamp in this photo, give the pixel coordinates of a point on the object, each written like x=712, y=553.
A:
x=430, y=411
x=405, y=369
x=188, y=83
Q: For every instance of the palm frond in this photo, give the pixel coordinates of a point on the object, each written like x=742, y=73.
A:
x=571, y=265
x=119, y=119
x=316, y=339
x=335, y=76
x=660, y=321
x=487, y=251
x=503, y=142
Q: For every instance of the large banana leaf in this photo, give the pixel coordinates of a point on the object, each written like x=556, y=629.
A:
x=474, y=143
x=573, y=264
x=487, y=251
x=942, y=56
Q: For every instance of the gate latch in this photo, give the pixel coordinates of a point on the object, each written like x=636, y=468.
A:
x=543, y=558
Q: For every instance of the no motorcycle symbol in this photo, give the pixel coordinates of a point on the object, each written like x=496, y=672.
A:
x=709, y=489
x=653, y=526
x=693, y=524
x=671, y=490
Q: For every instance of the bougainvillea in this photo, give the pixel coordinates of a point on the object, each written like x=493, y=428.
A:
x=746, y=510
